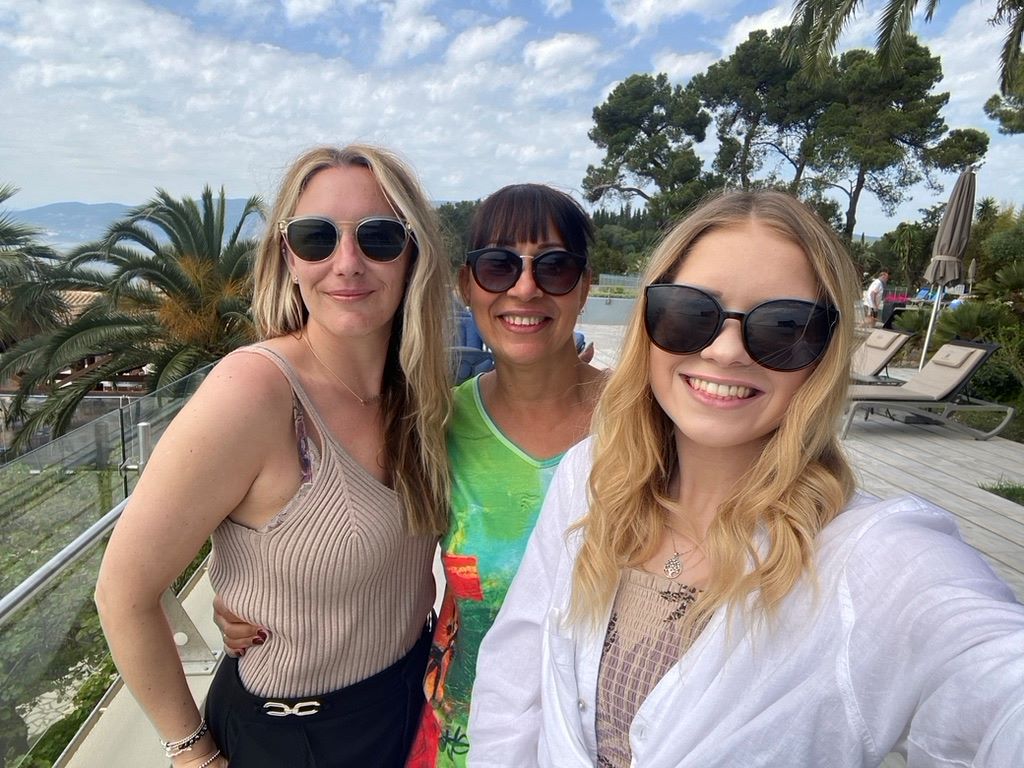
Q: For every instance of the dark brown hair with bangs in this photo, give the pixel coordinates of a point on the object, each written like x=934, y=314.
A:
x=526, y=213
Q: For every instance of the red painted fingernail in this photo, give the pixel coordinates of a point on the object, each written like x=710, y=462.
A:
x=259, y=640
x=262, y=635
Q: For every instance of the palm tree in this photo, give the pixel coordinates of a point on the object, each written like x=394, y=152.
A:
x=986, y=210
x=177, y=300
x=26, y=307
x=817, y=24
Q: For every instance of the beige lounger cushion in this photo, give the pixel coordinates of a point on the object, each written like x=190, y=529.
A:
x=876, y=351
x=952, y=357
x=947, y=369
x=882, y=340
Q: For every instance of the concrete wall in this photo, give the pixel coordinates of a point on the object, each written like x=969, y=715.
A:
x=607, y=311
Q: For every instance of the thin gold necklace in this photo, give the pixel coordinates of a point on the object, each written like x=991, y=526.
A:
x=368, y=401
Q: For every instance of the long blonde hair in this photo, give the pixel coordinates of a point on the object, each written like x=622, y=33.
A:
x=800, y=482
x=417, y=378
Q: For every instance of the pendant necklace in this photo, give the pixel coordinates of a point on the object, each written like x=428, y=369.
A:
x=367, y=401
x=674, y=565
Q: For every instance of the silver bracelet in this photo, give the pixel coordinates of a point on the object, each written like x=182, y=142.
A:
x=174, y=748
x=209, y=760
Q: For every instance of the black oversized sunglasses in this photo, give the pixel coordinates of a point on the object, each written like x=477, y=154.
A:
x=497, y=269
x=315, y=238
x=780, y=334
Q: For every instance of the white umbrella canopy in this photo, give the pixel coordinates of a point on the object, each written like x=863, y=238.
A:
x=946, y=266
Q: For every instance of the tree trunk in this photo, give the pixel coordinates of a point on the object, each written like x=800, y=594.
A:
x=748, y=141
x=851, y=212
x=800, y=165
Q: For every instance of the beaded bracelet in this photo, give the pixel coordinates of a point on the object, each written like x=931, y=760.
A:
x=174, y=748
x=209, y=760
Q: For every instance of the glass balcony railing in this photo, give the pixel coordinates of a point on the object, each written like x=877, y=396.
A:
x=53, y=658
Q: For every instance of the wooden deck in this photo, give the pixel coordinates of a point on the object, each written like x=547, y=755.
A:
x=948, y=469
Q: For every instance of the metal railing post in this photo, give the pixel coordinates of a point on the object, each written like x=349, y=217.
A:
x=145, y=435
x=124, y=450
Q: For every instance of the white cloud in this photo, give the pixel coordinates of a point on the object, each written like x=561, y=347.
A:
x=858, y=33
x=861, y=31
x=563, y=63
x=646, y=15
x=565, y=48
x=557, y=8
x=680, y=67
x=117, y=97
x=969, y=47
x=488, y=42
x=242, y=10
x=146, y=100
x=407, y=31
x=970, y=64
x=773, y=18
x=305, y=11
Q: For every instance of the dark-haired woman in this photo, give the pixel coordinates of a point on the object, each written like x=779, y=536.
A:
x=526, y=280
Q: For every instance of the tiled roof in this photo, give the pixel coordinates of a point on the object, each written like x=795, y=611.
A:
x=78, y=300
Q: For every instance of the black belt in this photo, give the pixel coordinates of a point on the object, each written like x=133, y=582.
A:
x=351, y=696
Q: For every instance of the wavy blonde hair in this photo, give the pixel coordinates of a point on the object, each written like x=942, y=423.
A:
x=417, y=379
x=801, y=481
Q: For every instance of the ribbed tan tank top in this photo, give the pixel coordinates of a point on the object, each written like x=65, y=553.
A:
x=343, y=589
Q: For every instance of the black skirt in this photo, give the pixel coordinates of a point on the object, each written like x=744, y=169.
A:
x=366, y=724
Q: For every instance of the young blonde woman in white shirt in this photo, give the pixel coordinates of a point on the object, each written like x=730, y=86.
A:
x=705, y=586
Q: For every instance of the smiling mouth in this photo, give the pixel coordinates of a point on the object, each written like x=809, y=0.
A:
x=523, y=321
x=721, y=391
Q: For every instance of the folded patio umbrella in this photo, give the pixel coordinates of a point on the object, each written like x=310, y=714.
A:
x=946, y=266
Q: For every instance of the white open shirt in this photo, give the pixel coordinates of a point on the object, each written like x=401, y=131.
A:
x=910, y=644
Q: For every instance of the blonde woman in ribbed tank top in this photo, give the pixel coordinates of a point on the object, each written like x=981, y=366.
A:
x=316, y=460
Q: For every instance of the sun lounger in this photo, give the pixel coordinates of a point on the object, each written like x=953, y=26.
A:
x=934, y=393
x=469, y=361
x=466, y=332
x=468, y=355
x=875, y=354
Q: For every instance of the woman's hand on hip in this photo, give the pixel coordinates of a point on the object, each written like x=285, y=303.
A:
x=238, y=634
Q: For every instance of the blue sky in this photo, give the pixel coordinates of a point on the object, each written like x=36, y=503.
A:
x=108, y=99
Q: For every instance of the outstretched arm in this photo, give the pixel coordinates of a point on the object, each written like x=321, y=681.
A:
x=948, y=637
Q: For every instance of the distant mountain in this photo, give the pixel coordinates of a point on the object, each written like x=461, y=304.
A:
x=67, y=225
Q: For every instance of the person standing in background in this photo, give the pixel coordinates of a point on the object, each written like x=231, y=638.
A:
x=874, y=299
